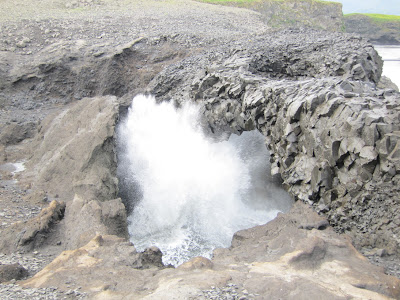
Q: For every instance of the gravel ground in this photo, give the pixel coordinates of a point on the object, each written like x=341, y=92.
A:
x=229, y=292
x=33, y=262
x=115, y=22
x=13, y=291
x=379, y=257
x=13, y=206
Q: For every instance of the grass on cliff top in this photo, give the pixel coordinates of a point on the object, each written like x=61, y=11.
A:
x=379, y=17
x=244, y=2
x=229, y=1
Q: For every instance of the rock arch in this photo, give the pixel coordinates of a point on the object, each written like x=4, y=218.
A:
x=332, y=134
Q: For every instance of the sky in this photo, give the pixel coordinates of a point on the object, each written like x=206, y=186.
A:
x=388, y=7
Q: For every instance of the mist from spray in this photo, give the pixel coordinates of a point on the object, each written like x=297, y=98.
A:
x=189, y=194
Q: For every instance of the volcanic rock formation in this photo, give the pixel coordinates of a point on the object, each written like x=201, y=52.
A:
x=331, y=133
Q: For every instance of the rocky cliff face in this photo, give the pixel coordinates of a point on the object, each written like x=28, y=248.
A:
x=386, y=32
x=331, y=133
x=297, y=13
x=80, y=158
x=309, y=13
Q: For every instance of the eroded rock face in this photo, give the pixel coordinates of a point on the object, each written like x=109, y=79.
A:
x=331, y=132
x=26, y=236
x=267, y=82
x=71, y=70
x=73, y=153
x=12, y=271
x=287, y=258
x=73, y=159
x=88, y=218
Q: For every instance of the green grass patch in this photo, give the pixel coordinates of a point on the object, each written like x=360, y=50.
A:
x=254, y=3
x=327, y=2
x=379, y=17
x=243, y=2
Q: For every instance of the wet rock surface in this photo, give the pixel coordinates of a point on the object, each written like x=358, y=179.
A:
x=331, y=131
x=259, y=263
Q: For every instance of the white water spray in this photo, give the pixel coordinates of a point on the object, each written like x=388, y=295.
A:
x=191, y=194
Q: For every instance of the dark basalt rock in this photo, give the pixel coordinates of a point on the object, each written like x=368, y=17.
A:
x=332, y=133
x=12, y=271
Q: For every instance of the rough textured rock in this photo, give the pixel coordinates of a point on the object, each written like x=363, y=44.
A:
x=16, y=132
x=387, y=83
x=86, y=71
x=196, y=263
x=106, y=264
x=74, y=151
x=331, y=132
x=32, y=233
x=308, y=252
x=378, y=31
x=87, y=218
x=278, y=260
x=12, y=271
x=72, y=156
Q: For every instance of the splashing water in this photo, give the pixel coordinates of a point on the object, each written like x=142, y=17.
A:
x=189, y=194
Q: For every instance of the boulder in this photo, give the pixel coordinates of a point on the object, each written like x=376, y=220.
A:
x=73, y=151
x=14, y=133
x=84, y=219
x=12, y=271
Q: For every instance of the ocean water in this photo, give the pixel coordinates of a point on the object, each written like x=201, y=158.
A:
x=189, y=193
x=391, y=65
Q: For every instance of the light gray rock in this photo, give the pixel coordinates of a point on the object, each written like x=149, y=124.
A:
x=74, y=151
x=87, y=218
x=312, y=258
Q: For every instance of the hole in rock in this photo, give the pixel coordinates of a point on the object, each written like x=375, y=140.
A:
x=186, y=193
